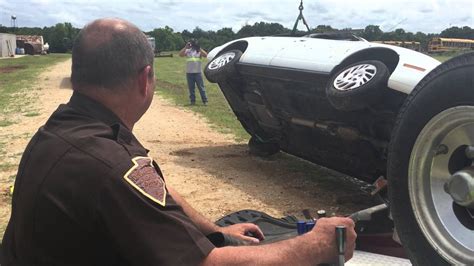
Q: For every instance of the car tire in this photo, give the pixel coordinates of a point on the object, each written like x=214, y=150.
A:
x=358, y=85
x=222, y=66
x=440, y=105
x=262, y=149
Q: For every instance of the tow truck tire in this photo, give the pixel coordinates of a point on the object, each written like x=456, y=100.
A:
x=418, y=205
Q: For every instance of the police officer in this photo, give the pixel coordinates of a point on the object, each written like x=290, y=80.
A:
x=87, y=193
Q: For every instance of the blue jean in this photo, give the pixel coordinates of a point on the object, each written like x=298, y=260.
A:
x=196, y=79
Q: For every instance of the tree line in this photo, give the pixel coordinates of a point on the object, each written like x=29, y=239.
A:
x=60, y=37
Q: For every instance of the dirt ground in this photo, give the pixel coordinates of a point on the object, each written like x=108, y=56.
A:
x=211, y=170
x=10, y=69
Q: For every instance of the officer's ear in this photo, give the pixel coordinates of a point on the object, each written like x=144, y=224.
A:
x=144, y=78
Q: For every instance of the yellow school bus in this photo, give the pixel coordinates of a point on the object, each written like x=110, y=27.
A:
x=438, y=45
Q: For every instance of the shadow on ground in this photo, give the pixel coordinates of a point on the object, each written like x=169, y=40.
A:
x=65, y=83
x=279, y=178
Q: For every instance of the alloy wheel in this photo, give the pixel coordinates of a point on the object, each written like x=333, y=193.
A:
x=440, y=157
x=354, y=77
x=221, y=60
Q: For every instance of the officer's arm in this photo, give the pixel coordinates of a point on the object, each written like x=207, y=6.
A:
x=204, y=225
x=315, y=247
x=247, y=232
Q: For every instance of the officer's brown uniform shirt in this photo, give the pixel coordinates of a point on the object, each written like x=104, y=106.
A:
x=87, y=194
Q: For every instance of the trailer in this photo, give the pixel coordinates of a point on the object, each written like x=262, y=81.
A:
x=33, y=44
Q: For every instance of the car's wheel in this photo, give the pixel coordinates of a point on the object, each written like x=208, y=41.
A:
x=262, y=149
x=358, y=85
x=222, y=66
x=430, y=167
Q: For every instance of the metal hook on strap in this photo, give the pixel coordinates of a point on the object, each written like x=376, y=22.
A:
x=300, y=17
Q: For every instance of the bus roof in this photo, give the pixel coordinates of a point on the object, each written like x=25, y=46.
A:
x=455, y=40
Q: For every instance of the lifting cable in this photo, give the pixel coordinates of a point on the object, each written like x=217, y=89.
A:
x=300, y=17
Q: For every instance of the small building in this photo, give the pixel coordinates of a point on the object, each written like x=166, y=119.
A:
x=7, y=45
x=33, y=44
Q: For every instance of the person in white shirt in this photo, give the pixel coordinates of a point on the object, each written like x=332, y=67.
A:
x=194, y=53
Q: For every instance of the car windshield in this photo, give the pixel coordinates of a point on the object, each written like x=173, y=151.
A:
x=343, y=36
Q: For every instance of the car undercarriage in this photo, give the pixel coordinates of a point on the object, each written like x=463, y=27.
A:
x=296, y=115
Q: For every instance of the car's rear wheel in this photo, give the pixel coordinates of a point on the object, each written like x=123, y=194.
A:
x=430, y=167
x=222, y=66
x=358, y=85
x=262, y=149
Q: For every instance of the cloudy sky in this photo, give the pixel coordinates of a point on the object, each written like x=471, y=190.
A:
x=429, y=16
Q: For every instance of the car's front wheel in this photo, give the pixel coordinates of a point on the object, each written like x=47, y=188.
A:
x=357, y=85
x=222, y=66
x=430, y=167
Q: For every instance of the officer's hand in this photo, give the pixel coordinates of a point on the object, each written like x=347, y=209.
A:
x=324, y=234
x=247, y=232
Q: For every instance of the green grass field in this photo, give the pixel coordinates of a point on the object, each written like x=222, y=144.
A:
x=171, y=84
x=17, y=75
x=447, y=55
x=442, y=58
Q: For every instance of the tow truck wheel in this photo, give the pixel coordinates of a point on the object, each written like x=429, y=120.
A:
x=430, y=167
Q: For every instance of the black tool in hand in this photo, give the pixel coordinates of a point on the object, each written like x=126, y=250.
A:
x=366, y=214
x=341, y=244
x=307, y=215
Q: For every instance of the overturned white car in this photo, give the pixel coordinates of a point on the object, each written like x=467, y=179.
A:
x=367, y=110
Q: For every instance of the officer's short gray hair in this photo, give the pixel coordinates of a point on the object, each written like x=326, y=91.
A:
x=109, y=53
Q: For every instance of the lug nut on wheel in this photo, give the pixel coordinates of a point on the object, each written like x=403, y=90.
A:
x=470, y=152
x=461, y=187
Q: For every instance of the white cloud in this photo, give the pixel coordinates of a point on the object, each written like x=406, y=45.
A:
x=421, y=15
x=41, y=2
x=66, y=16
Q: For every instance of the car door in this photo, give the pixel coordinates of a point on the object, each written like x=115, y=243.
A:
x=261, y=50
x=312, y=54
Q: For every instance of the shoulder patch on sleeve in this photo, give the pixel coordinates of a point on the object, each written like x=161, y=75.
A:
x=144, y=177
